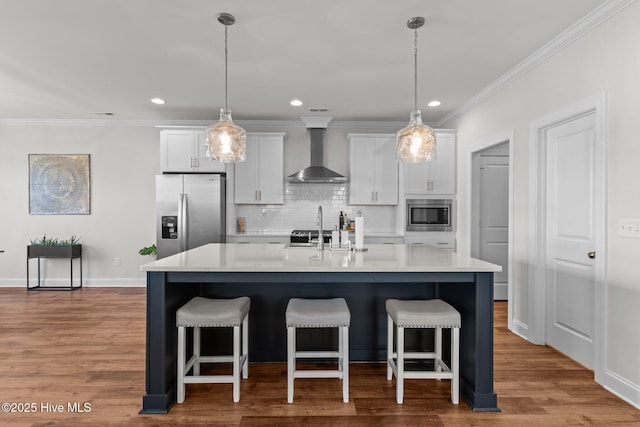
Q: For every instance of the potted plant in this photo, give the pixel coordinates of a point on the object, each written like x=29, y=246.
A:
x=46, y=247
x=149, y=250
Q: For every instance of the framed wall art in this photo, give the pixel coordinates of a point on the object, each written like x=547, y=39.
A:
x=59, y=184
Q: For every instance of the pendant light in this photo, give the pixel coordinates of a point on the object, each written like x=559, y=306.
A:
x=416, y=142
x=226, y=141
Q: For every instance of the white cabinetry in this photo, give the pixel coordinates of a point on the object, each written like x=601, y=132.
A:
x=184, y=150
x=259, y=180
x=272, y=239
x=373, y=170
x=383, y=240
x=437, y=176
x=442, y=242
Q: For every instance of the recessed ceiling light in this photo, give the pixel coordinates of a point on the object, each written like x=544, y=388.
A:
x=296, y=102
x=158, y=101
x=433, y=103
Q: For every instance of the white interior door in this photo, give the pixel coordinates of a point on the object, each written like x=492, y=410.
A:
x=494, y=214
x=569, y=236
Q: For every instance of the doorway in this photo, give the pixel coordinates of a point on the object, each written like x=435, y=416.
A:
x=567, y=287
x=490, y=219
x=490, y=207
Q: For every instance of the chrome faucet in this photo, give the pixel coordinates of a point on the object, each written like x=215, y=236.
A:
x=319, y=224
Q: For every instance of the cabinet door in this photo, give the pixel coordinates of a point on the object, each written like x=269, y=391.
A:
x=202, y=162
x=271, y=170
x=176, y=150
x=260, y=178
x=246, y=174
x=436, y=176
x=361, y=171
x=385, y=168
x=443, y=169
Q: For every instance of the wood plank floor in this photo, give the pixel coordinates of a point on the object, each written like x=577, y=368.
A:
x=63, y=348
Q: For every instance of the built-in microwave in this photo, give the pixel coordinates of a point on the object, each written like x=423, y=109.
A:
x=429, y=215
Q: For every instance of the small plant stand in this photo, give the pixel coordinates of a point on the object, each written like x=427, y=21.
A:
x=69, y=252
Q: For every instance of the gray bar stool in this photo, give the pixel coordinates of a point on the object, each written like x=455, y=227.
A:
x=435, y=314
x=213, y=313
x=318, y=313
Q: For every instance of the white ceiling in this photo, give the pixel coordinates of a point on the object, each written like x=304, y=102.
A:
x=71, y=59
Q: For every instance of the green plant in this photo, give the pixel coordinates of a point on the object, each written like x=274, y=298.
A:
x=148, y=250
x=47, y=241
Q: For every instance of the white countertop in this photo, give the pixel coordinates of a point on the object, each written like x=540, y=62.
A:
x=232, y=257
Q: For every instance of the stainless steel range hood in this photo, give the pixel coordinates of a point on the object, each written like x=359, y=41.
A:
x=316, y=172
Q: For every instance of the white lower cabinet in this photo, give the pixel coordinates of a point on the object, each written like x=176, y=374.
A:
x=437, y=242
x=383, y=240
x=273, y=239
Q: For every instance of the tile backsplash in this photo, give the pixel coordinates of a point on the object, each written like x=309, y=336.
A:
x=300, y=210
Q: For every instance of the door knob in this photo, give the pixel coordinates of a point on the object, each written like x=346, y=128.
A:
x=592, y=255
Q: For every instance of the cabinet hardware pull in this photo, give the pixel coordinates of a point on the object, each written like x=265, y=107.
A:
x=592, y=255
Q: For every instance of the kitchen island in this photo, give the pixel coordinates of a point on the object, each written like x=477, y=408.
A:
x=271, y=274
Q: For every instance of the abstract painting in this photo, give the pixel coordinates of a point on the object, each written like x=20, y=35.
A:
x=59, y=184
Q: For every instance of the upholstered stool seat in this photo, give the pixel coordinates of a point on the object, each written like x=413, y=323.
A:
x=213, y=313
x=434, y=314
x=318, y=313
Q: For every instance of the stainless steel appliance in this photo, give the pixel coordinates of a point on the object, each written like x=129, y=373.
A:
x=429, y=215
x=302, y=238
x=190, y=211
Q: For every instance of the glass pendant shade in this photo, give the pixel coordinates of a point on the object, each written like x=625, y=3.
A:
x=416, y=142
x=226, y=142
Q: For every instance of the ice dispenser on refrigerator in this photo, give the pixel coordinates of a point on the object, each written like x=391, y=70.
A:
x=190, y=211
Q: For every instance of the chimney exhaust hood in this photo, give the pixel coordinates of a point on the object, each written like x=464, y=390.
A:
x=316, y=172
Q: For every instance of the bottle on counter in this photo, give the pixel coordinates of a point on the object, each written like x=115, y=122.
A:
x=341, y=221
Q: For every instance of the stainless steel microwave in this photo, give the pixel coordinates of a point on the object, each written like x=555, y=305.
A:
x=429, y=215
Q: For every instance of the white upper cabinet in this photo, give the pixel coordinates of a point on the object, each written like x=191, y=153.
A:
x=373, y=169
x=184, y=150
x=259, y=180
x=437, y=176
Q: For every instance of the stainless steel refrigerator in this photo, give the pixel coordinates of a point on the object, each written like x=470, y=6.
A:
x=190, y=211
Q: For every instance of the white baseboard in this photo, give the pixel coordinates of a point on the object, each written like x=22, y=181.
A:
x=90, y=283
x=500, y=291
x=623, y=388
x=520, y=329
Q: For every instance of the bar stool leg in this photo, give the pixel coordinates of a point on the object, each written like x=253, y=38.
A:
x=181, y=355
x=245, y=346
x=196, y=350
x=455, y=365
x=291, y=361
x=389, y=347
x=345, y=363
x=400, y=375
x=236, y=363
x=438, y=345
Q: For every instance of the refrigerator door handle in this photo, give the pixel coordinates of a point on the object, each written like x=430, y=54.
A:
x=185, y=221
x=181, y=230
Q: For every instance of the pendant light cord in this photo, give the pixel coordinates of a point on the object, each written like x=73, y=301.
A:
x=225, y=67
x=415, y=70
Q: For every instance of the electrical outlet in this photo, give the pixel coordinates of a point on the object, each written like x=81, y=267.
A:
x=116, y=262
x=629, y=227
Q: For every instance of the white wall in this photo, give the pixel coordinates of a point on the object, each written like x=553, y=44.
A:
x=123, y=161
x=604, y=60
x=123, y=165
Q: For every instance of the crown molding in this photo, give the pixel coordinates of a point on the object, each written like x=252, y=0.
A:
x=573, y=33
